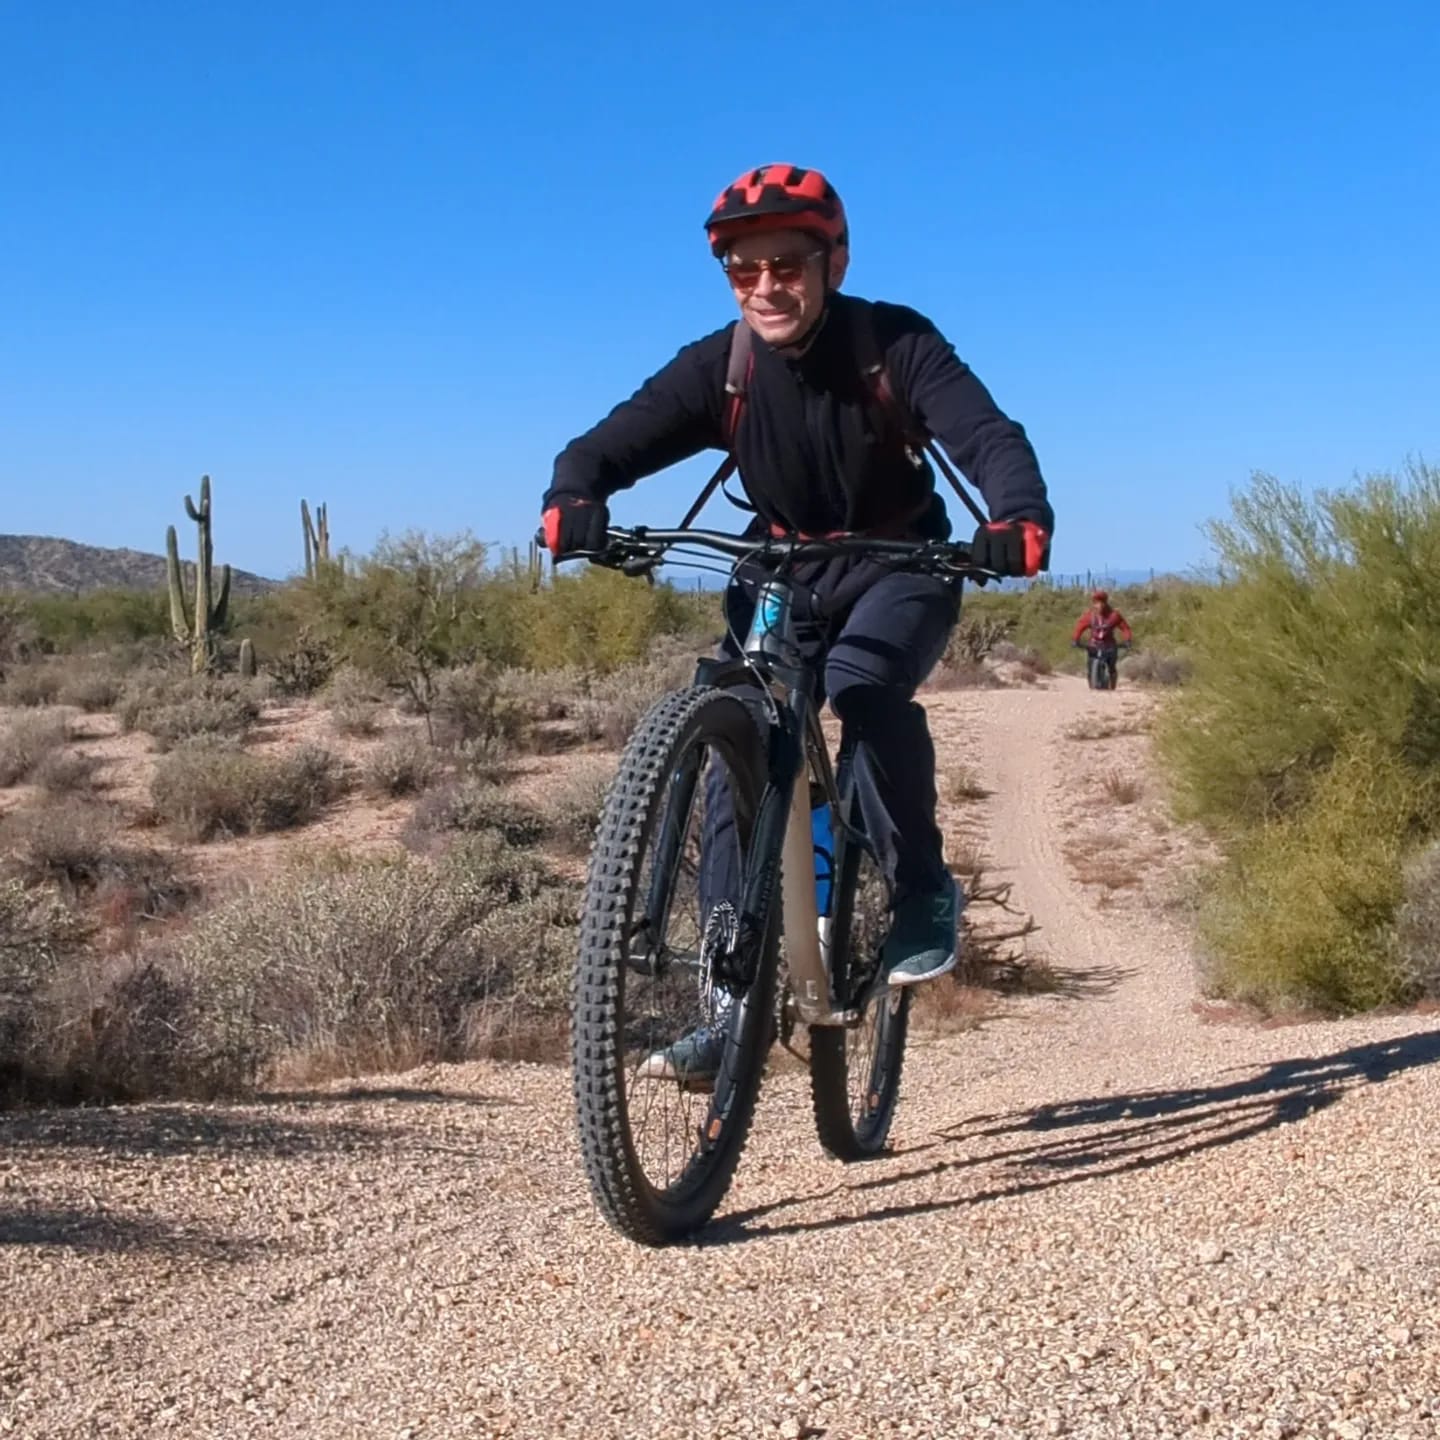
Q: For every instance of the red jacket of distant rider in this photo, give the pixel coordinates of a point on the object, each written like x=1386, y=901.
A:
x=1104, y=627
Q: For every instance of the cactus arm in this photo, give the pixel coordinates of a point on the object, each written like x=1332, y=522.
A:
x=222, y=602
x=175, y=577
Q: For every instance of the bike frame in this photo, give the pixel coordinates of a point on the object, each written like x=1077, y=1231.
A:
x=770, y=662
x=796, y=754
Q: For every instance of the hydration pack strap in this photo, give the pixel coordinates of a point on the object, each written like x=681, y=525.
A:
x=871, y=360
x=737, y=382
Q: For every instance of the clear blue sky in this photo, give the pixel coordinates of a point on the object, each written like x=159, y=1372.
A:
x=393, y=256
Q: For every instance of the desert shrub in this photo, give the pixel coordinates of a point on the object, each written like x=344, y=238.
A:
x=600, y=621
x=18, y=635
x=38, y=934
x=542, y=695
x=77, y=845
x=488, y=759
x=1304, y=910
x=355, y=701
x=357, y=719
x=350, y=685
x=470, y=804
x=304, y=665
x=203, y=788
x=1032, y=664
x=1104, y=725
x=1417, y=931
x=1149, y=667
x=572, y=810
x=377, y=963
x=470, y=705
x=614, y=703
x=100, y=619
x=35, y=683
x=89, y=685
x=62, y=772
x=1323, y=634
x=961, y=784
x=403, y=765
x=216, y=709
x=1120, y=788
x=974, y=638
x=133, y=1027
x=26, y=741
x=175, y=706
x=961, y=674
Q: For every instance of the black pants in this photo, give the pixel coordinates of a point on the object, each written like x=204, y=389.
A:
x=871, y=654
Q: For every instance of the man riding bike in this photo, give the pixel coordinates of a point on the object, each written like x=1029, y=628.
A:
x=821, y=449
x=1108, y=629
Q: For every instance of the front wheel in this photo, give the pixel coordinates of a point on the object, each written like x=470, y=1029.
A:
x=662, y=1123
x=855, y=1069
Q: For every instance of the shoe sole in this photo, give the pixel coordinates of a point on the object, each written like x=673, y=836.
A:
x=898, y=981
x=696, y=1083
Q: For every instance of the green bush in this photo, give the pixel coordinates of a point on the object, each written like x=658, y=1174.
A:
x=1418, y=927
x=100, y=619
x=1308, y=737
x=1323, y=633
x=1304, y=910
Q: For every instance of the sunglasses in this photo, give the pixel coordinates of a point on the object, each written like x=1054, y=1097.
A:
x=785, y=269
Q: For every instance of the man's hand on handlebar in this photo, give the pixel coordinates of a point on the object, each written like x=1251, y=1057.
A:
x=574, y=526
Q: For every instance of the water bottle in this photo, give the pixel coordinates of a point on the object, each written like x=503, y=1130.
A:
x=822, y=837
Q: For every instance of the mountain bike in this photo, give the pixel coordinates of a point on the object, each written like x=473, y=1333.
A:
x=1102, y=668
x=723, y=790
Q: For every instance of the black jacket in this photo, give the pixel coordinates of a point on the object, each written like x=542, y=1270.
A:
x=812, y=447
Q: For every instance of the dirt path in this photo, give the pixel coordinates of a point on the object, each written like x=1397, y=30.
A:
x=1102, y=1218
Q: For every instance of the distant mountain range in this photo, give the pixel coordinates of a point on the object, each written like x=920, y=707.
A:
x=45, y=565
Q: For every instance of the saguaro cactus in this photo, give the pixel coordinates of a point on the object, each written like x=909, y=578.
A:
x=317, y=538
x=197, y=623
x=247, y=658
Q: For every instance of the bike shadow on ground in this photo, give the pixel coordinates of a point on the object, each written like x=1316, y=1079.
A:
x=1100, y=1136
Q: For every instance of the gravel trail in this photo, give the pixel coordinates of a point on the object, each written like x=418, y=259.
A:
x=1103, y=1217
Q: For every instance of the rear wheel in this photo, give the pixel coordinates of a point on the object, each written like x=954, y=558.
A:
x=661, y=1142
x=855, y=1069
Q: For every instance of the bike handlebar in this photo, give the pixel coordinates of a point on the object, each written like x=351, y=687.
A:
x=641, y=548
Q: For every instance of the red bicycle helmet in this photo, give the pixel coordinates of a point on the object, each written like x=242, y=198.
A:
x=1103, y=596
x=776, y=196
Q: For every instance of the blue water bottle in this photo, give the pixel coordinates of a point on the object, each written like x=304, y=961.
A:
x=823, y=839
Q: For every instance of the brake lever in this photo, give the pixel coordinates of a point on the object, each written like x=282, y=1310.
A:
x=637, y=566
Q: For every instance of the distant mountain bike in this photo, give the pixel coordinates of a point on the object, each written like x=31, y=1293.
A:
x=685, y=911
x=1102, y=669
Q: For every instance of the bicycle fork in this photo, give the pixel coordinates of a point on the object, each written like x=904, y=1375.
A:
x=804, y=951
